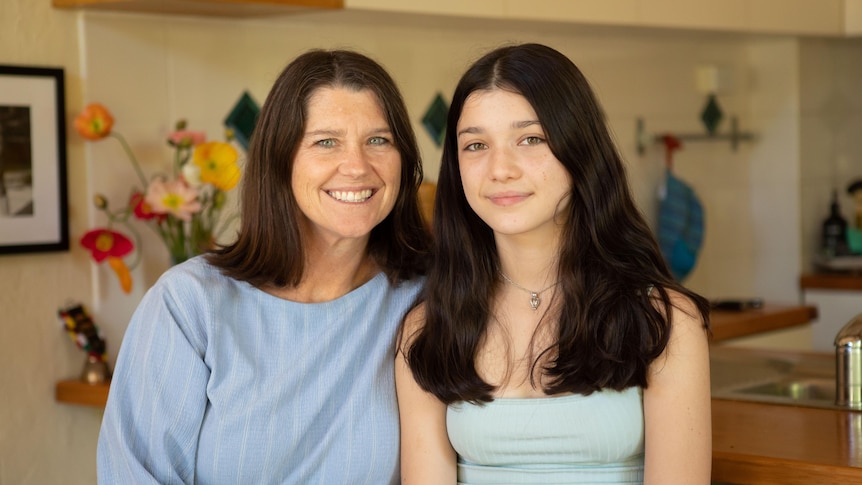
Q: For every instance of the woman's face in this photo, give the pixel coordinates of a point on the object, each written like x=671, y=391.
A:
x=347, y=171
x=511, y=179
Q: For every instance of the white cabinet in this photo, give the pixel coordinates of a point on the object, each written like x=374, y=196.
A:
x=835, y=308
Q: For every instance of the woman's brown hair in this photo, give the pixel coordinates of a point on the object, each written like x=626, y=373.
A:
x=269, y=247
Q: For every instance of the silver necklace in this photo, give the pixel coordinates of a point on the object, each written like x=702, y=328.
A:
x=535, y=301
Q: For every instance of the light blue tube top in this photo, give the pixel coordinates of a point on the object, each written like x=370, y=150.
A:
x=571, y=439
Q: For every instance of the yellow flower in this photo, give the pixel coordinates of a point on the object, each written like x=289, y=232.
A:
x=217, y=161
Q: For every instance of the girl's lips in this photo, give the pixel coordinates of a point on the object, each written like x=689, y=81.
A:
x=508, y=198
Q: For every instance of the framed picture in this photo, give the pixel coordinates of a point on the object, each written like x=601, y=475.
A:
x=33, y=205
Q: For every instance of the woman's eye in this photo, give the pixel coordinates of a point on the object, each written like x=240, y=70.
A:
x=327, y=143
x=472, y=147
x=378, y=140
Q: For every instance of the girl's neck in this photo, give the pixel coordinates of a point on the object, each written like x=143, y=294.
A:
x=533, y=266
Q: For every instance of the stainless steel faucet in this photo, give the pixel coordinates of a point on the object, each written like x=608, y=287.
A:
x=848, y=364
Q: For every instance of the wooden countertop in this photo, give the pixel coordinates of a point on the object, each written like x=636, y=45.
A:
x=788, y=445
x=728, y=324
x=771, y=443
x=830, y=281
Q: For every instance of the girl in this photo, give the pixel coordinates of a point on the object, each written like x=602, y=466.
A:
x=553, y=345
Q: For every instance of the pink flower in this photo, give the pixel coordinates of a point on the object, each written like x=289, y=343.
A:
x=186, y=138
x=173, y=197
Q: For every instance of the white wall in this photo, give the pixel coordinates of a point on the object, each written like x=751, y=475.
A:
x=830, y=121
x=151, y=70
x=182, y=68
x=42, y=441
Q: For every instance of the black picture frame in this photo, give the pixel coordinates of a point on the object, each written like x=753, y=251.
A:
x=34, y=212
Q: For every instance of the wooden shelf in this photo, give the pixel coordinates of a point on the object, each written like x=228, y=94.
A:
x=210, y=8
x=76, y=391
x=728, y=324
x=830, y=281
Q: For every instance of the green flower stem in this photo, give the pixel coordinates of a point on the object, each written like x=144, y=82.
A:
x=138, y=243
x=132, y=158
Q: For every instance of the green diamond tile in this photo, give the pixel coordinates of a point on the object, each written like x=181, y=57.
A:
x=242, y=119
x=434, y=119
x=711, y=115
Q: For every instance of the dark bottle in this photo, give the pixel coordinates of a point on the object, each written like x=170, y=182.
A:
x=834, y=231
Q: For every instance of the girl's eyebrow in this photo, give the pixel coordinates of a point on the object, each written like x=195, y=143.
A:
x=472, y=130
x=524, y=124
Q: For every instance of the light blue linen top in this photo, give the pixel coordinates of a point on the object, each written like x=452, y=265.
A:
x=570, y=439
x=217, y=382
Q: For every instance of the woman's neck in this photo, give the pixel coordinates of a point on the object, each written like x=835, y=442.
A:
x=330, y=272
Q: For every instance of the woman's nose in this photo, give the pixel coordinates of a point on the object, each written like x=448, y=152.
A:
x=355, y=162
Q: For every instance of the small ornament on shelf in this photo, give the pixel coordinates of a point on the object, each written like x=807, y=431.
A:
x=84, y=332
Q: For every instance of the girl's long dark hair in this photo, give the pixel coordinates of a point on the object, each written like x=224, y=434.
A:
x=609, y=328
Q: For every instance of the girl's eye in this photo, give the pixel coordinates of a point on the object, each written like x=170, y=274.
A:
x=327, y=143
x=473, y=147
x=532, y=140
x=378, y=140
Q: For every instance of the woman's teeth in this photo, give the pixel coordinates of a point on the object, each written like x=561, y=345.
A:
x=345, y=196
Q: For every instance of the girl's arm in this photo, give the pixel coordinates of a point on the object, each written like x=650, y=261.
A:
x=677, y=412
x=426, y=455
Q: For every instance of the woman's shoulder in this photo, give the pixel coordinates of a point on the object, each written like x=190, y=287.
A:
x=196, y=278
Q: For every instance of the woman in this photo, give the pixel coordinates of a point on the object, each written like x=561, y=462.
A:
x=270, y=360
x=553, y=345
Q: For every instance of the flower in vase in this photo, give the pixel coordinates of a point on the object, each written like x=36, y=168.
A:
x=217, y=164
x=186, y=138
x=104, y=243
x=95, y=122
x=173, y=197
x=182, y=206
x=142, y=209
x=110, y=245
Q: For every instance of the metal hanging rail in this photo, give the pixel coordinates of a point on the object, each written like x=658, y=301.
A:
x=643, y=139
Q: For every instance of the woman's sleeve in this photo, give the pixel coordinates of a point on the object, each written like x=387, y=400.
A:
x=156, y=404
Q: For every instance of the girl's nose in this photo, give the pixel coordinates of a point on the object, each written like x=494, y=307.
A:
x=502, y=164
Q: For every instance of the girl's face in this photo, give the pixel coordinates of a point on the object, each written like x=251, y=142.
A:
x=347, y=170
x=511, y=179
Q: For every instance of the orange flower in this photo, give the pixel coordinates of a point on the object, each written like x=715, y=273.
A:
x=95, y=122
x=104, y=243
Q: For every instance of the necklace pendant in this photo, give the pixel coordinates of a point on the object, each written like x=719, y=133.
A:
x=534, y=300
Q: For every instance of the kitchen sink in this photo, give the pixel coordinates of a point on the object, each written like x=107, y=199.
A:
x=795, y=379
x=799, y=389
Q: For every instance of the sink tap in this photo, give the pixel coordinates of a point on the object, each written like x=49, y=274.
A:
x=848, y=364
